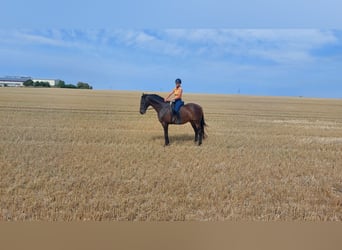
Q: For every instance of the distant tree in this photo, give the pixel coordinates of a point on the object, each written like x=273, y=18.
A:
x=80, y=85
x=84, y=85
x=41, y=84
x=60, y=84
x=28, y=83
x=70, y=86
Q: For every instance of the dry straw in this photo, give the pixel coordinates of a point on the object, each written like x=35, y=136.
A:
x=70, y=155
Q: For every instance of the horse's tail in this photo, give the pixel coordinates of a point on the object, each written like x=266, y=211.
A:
x=203, y=125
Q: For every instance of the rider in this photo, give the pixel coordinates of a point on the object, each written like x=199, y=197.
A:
x=177, y=100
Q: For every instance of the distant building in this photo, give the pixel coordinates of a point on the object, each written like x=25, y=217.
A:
x=18, y=81
x=52, y=82
x=13, y=81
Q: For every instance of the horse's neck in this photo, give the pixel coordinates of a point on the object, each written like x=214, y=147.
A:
x=157, y=105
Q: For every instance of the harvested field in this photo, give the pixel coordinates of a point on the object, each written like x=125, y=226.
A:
x=75, y=155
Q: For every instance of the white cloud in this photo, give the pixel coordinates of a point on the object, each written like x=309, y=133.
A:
x=280, y=45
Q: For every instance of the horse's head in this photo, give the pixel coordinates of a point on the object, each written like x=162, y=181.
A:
x=156, y=101
x=143, y=104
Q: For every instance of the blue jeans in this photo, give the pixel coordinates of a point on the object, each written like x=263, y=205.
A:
x=177, y=105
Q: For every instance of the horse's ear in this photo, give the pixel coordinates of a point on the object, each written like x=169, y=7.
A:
x=142, y=94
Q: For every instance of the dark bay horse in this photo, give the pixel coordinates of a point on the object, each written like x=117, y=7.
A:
x=190, y=112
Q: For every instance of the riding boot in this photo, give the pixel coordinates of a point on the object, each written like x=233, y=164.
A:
x=174, y=117
x=178, y=119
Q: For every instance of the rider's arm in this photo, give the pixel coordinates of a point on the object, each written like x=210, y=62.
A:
x=171, y=93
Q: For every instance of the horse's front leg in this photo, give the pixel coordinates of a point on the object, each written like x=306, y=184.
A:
x=166, y=133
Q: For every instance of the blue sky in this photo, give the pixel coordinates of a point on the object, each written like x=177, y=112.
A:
x=298, y=55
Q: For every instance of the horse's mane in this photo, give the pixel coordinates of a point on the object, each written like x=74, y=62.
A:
x=156, y=98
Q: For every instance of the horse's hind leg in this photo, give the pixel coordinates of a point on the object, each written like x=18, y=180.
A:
x=200, y=133
x=196, y=130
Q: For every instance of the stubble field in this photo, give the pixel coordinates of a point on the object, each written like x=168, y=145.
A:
x=72, y=155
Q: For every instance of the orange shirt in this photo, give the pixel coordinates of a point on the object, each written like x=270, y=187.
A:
x=178, y=92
